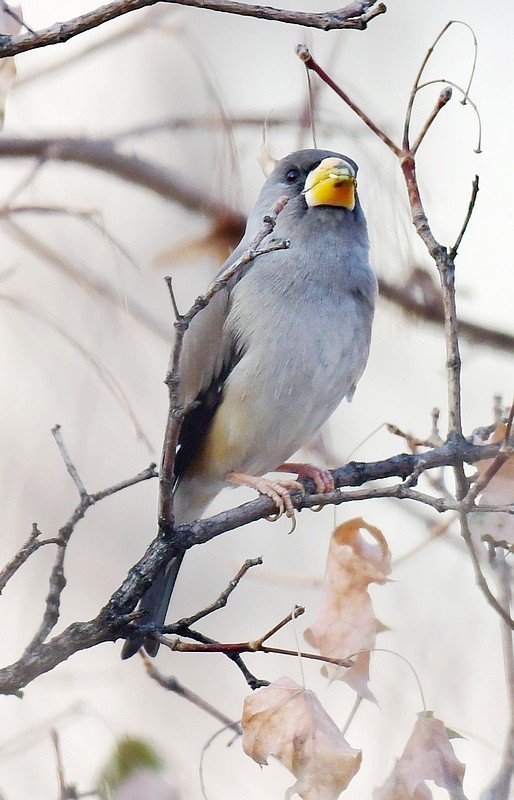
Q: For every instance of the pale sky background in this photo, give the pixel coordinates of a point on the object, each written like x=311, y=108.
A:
x=438, y=619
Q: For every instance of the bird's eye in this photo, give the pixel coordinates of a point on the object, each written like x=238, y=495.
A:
x=292, y=175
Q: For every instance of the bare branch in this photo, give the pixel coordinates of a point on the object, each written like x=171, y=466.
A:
x=303, y=53
x=417, y=85
x=32, y=544
x=471, y=208
x=500, y=786
x=205, y=645
x=355, y=16
x=87, y=280
x=433, y=312
x=443, y=99
x=439, y=253
x=222, y=600
x=70, y=466
x=111, y=623
x=171, y=684
x=102, y=154
x=479, y=575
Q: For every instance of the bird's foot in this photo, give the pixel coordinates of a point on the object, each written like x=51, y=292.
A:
x=323, y=480
x=277, y=490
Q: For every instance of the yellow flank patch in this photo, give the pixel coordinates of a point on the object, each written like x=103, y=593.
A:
x=331, y=183
x=223, y=443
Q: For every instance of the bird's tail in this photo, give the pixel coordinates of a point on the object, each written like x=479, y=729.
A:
x=190, y=501
x=153, y=607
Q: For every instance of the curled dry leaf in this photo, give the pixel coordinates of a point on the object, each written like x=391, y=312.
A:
x=8, y=25
x=428, y=756
x=288, y=722
x=266, y=161
x=497, y=526
x=346, y=621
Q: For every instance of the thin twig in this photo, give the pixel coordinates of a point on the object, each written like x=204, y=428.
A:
x=417, y=81
x=70, y=466
x=296, y=612
x=11, y=12
x=303, y=53
x=479, y=575
x=501, y=458
x=415, y=88
x=443, y=99
x=500, y=786
x=89, y=217
x=34, y=311
x=454, y=85
x=231, y=648
x=173, y=685
x=29, y=547
x=63, y=786
x=206, y=642
x=471, y=208
x=87, y=280
x=169, y=283
x=222, y=600
x=145, y=475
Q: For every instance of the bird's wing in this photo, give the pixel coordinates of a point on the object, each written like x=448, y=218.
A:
x=208, y=356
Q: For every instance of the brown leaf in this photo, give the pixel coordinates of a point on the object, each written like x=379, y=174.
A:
x=266, y=160
x=288, y=722
x=428, y=756
x=346, y=621
x=496, y=526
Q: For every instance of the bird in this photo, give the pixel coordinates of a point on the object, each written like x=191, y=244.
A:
x=272, y=355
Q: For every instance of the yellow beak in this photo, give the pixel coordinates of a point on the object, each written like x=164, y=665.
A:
x=331, y=183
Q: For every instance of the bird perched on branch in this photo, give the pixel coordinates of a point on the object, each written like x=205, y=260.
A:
x=274, y=353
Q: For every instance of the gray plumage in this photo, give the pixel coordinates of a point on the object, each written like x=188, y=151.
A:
x=273, y=355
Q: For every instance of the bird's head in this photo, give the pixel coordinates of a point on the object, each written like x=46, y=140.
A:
x=320, y=177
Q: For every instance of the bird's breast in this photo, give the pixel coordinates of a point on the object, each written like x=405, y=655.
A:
x=301, y=352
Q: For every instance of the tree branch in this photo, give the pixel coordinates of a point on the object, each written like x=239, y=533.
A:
x=171, y=684
x=431, y=310
x=103, y=155
x=111, y=623
x=355, y=16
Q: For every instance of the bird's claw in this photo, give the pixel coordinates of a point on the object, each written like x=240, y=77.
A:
x=277, y=490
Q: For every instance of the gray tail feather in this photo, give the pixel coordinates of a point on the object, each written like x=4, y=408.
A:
x=153, y=607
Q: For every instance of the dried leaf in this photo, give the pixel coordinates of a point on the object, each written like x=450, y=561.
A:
x=496, y=526
x=266, y=161
x=288, y=722
x=8, y=25
x=428, y=756
x=346, y=621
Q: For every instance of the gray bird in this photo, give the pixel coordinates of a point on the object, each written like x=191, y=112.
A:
x=273, y=354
